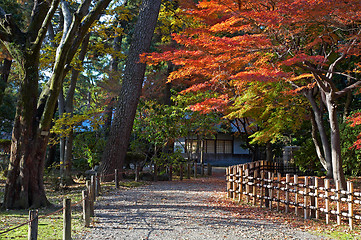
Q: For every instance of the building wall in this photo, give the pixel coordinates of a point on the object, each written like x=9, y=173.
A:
x=226, y=151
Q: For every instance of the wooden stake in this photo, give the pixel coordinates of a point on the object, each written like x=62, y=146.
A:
x=181, y=171
x=295, y=181
x=33, y=225
x=189, y=169
x=327, y=201
x=287, y=193
x=338, y=203
x=306, y=197
x=116, y=181
x=247, y=184
x=86, y=209
x=317, y=212
x=90, y=198
x=350, y=204
x=279, y=177
x=67, y=219
x=170, y=172
x=209, y=169
x=240, y=183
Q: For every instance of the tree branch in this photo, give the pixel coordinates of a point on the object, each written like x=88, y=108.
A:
x=10, y=29
x=45, y=22
x=347, y=89
x=85, y=25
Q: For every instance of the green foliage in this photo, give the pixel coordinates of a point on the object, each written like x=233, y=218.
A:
x=18, y=11
x=351, y=156
x=7, y=113
x=274, y=113
x=306, y=158
x=75, y=122
x=88, y=149
x=164, y=159
x=134, y=157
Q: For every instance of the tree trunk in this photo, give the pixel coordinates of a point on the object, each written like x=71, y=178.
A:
x=321, y=129
x=337, y=169
x=316, y=143
x=115, y=150
x=24, y=185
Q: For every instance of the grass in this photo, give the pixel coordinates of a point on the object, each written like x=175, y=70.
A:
x=51, y=227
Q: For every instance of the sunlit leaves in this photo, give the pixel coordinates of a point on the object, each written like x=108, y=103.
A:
x=89, y=120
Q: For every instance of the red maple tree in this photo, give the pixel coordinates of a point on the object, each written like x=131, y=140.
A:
x=314, y=46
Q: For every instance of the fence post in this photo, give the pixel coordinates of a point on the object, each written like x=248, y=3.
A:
x=228, y=182
x=287, y=193
x=86, y=209
x=305, y=201
x=97, y=184
x=116, y=178
x=170, y=172
x=136, y=168
x=235, y=182
x=189, y=169
x=195, y=170
x=255, y=174
x=90, y=197
x=231, y=180
x=155, y=172
x=350, y=204
x=33, y=225
x=338, y=203
x=209, y=169
x=295, y=181
x=246, y=184
x=202, y=169
x=266, y=188
x=240, y=183
x=181, y=171
x=278, y=190
x=67, y=219
x=327, y=201
x=92, y=184
x=261, y=188
x=271, y=178
x=316, y=198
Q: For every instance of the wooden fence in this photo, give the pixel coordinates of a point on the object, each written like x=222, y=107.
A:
x=312, y=197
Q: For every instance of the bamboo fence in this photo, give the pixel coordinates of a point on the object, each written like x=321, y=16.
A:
x=312, y=197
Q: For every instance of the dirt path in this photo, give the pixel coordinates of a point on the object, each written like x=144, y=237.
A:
x=179, y=210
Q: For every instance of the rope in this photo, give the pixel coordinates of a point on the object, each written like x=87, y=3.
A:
x=52, y=213
x=39, y=217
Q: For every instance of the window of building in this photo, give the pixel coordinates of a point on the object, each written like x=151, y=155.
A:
x=210, y=146
x=224, y=146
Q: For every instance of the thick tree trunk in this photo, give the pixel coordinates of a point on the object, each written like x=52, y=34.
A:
x=115, y=150
x=338, y=174
x=24, y=186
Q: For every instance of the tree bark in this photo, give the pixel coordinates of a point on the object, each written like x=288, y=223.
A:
x=338, y=174
x=115, y=150
x=318, y=117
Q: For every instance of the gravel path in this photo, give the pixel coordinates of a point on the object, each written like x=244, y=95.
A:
x=178, y=210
